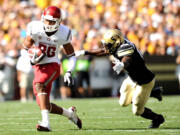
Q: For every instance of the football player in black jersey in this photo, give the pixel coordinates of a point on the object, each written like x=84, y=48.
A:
x=140, y=81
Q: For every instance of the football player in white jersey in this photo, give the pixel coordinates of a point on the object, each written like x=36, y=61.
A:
x=138, y=85
x=49, y=34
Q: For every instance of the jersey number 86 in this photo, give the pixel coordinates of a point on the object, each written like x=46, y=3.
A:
x=50, y=51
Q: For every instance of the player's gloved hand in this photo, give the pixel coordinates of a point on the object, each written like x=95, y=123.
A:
x=68, y=80
x=36, y=59
x=118, y=66
x=79, y=53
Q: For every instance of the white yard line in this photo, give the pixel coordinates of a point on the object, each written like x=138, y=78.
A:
x=108, y=130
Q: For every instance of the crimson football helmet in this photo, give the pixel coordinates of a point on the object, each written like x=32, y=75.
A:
x=52, y=13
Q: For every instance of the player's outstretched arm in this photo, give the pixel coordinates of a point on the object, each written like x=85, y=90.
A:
x=96, y=52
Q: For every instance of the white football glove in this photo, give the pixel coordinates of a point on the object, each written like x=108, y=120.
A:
x=79, y=53
x=68, y=80
x=118, y=66
x=36, y=59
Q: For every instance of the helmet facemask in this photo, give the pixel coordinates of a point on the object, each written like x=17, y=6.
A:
x=51, y=28
x=110, y=47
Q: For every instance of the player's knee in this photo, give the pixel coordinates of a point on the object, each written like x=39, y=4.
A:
x=122, y=103
x=40, y=87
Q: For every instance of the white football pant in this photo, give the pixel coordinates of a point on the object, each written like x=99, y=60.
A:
x=131, y=92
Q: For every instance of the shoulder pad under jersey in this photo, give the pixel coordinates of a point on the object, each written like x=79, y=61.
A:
x=65, y=33
x=125, y=50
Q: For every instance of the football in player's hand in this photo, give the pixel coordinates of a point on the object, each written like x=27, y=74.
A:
x=34, y=51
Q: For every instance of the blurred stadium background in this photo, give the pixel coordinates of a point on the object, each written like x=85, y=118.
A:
x=153, y=25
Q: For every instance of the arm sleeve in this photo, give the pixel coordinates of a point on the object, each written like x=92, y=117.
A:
x=97, y=52
x=72, y=63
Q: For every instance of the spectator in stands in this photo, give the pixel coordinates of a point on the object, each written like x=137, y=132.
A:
x=25, y=77
x=178, y=67
x=2, y=75
x=10, y=85
x=137, y=16
x=65, y=91
x=82, y=72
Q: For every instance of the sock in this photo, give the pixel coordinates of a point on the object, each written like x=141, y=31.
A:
x=66, y=113
x=148, y=114
x=45, y=118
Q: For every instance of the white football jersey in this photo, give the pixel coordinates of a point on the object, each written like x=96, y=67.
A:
x=49, y=44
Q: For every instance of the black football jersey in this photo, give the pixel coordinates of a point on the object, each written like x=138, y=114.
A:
x=134, y=63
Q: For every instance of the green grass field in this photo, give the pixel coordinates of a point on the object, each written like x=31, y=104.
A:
x=100, y=116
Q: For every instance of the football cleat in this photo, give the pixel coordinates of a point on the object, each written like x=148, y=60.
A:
x=41, y=128
x=157, y=122
x=74, y=118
